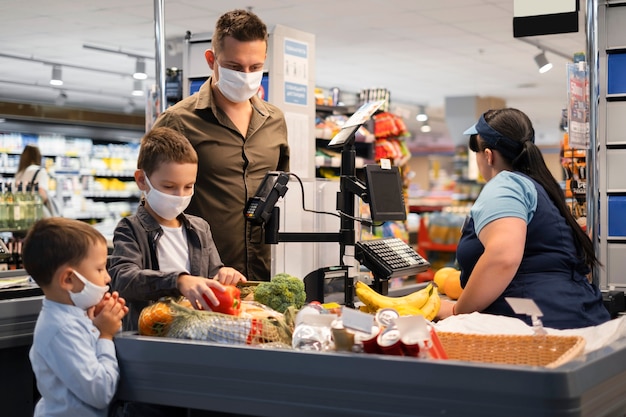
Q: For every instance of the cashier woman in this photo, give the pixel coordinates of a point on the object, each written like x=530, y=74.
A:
x=520, y=239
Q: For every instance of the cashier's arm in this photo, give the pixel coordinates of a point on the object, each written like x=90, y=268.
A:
x=504, y=240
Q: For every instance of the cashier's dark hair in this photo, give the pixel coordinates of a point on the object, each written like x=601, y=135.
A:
x=54, y=242
x=516, y=125
x=161, y=145
x=240, y=24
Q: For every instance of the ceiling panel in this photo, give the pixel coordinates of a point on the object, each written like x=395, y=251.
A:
x=423, y=51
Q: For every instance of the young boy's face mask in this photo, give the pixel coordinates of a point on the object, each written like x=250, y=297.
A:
x=238, y=86
x=166, y=205
x=90, y=295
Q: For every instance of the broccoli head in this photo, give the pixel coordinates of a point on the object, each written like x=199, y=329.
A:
x=281, y=292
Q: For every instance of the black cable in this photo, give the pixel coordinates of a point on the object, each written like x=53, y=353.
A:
x=361, y=220
x=302, y=193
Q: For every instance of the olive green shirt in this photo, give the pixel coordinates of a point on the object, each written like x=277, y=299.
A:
x=230, y=169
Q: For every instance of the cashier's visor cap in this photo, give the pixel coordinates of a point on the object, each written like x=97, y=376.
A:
x=508, y=147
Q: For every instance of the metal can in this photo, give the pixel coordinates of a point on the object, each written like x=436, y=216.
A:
x=385, y=317
x=368, y=341
x=390, y=343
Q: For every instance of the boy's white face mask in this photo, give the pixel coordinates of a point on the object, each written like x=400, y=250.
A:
x=166, y=205
x=90, y=295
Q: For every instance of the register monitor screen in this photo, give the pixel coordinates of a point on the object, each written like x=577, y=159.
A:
x=384, y=188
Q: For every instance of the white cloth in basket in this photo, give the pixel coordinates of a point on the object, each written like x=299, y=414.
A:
x=595, y=337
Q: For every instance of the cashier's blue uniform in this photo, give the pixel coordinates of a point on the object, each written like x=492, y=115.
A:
x=552, y=271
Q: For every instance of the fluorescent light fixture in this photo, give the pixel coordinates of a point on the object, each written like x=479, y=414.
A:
x=57, y=78
x=137, y=88
x=140, y=70
x=421, y=115
x=543, y=63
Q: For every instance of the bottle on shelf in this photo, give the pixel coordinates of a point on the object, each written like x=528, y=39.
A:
x=37, y=203
x=4, y=211
x=19, y=207
x=9, y=201
x=29, y=206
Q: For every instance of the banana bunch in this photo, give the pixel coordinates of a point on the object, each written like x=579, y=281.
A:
x=425, y=302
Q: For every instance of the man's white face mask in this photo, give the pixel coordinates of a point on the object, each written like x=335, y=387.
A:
x=238, y=86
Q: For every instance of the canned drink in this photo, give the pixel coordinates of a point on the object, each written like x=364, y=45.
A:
x=390, y=343
x=385, y=317
x=369, y=343
x=411, y=345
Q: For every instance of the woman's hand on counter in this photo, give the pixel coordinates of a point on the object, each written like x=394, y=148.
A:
x=446, y=309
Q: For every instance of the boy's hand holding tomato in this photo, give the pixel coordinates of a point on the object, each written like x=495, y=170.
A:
x=230, y=300
x=216, y=294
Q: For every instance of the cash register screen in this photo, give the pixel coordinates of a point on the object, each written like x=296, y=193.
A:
x=384, y=188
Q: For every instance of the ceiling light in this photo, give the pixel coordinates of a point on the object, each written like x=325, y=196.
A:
x=57, y=78
x=61, y=99
x=137, y=88
x=140, y=70
x=421, y=115
x=425, y=127
x=543, y=63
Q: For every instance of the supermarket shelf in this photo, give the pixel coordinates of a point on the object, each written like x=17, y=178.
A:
x=111, y=194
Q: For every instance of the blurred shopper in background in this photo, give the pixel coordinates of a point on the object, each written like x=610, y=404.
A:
x=30, y=171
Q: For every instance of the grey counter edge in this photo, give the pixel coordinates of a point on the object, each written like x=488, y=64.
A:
x=273, y=383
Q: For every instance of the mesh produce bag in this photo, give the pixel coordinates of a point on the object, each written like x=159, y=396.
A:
x=247, y=329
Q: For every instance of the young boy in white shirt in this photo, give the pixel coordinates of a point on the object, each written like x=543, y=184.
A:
x=160, y=251
x=73, y=355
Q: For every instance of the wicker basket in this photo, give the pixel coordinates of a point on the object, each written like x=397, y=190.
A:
x=547, y=350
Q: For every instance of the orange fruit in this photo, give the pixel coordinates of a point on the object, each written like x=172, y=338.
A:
x=441, y=276
x=452, y=286
x=155, y=319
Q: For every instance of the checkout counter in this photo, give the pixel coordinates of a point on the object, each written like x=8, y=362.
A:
x=20, y=303
x=265, y=382
x=274, y=383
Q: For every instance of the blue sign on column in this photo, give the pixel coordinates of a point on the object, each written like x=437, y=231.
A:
x=296, y=72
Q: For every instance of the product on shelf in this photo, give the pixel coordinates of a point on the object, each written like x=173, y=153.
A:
x=87, y=176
